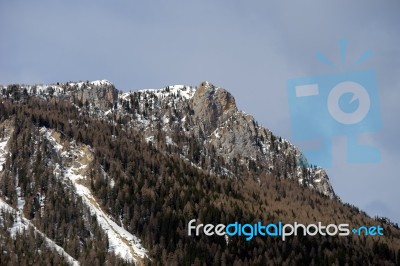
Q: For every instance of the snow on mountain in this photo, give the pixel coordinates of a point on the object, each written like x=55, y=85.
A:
x=100, y=82
x=210, y=113
x=121, y=242
x=80, y=84
x=20, y=222
x=186, y=92
x=206, y=112
x=3, y=151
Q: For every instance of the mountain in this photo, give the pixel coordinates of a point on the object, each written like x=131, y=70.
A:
x=92, y=175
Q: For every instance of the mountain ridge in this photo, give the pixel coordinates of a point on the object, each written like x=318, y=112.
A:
x=215, y=114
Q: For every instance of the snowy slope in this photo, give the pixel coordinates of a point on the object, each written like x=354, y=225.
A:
x=3, y=151
x=121, y=242
x=20, y=222
x=186, y=92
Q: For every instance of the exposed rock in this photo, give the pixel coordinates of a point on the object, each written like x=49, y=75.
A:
x=102, y=95
x=212, y=106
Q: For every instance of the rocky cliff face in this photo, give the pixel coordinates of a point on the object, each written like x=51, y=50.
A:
x=100, y=93
x=212, y=106
x=206, y=113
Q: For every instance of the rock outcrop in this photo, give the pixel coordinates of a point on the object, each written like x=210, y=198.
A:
x=212, y=106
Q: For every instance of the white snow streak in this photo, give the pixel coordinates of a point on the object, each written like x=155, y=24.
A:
x=121, y=242
x=185, y=92
x=24, y=224
x=20, y=223
x=3, y=152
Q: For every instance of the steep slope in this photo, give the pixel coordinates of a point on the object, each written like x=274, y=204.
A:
x=20, y=223
x=121, y=242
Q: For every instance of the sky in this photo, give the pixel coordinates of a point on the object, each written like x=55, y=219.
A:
x=250, y=48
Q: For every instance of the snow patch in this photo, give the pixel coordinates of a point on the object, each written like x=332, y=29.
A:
x=50, y=138
x=121, y=242
x=23, y=224
x=150, y=139
x=185, y=92
x=100, y=82
x=3, y=152
x=169, y=141
x=94, y=83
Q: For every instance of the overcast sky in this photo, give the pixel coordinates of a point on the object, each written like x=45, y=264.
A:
x=249, y=49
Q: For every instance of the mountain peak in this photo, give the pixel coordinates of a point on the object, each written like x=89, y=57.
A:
x=212, y=105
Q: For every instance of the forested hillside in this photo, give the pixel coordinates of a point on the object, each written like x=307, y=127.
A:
x=114, y=179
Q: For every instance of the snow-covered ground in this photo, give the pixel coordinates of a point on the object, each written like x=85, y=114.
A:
x=94, y=83
x=121, y=242
x=20, y=223
x=18, y=226
x=3, y=151
x=186, y=92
